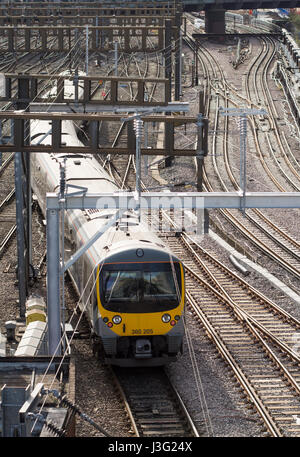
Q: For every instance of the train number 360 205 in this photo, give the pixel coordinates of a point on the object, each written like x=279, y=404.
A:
x=139, y=331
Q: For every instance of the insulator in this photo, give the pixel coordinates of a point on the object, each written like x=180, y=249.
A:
x=48, y=424
x=62, y=179
x=242, y=123
x=66, y=402
x=138, y=127
x=54, y=429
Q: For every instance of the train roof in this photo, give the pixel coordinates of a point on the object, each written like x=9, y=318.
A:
x=119, y=244
x=138, y=251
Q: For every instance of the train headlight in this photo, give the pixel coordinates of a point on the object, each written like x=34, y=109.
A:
x=117, y=320
x=166, y=318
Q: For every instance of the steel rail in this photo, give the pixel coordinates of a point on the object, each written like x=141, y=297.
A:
x=7, y=162
x=185, y=410
x=130, y=162
x=188, y=241
x=125, y=401
x=168, y=392
x=244, y=316
x=7, y=238
x=242, y=379
x=253, y=325
x=221, y=293
x=235, y=220
x=7, y=198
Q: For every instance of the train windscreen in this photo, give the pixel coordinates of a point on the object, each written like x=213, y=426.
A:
x=140, y=287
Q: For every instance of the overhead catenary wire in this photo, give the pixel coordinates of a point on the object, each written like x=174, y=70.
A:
x=77, y=57
x=71, y=338
x=93, y=286
x=196, y=372
x=52, y=79
x=50, y=105
x=199, y=384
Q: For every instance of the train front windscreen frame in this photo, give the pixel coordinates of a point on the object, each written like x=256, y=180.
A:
x=140, y=287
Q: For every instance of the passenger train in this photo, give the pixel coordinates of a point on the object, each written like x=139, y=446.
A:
x=132, y=286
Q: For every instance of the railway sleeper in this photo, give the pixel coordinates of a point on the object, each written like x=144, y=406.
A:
x=163, y=433
x=149, y=414
x=158, y=412
x=160, y=420
x=166, y=427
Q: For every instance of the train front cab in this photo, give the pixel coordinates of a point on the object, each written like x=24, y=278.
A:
x=141, y=311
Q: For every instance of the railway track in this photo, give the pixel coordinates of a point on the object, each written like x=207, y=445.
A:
x=256, y=227
x=233, y=315
x=256, y=337
x=268, y=373
x=153, y=405
x=240, y=319
x=152, y=402
x=122, y=169
x=7, y=204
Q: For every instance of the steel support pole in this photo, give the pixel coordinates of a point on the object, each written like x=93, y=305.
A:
x=91, y=241
x=180, y=64
x=200, y=153
x=177, y=65
x=12, y=399
x=138, y=127
x=1, y=142
x=116, y=58
x=242, y=114
x=53, y=283
x=168, y=54
x=87, y=50
x=243, y=138
x=20, y=221
x=201, y=101
x=25, y=94
x=21, y=133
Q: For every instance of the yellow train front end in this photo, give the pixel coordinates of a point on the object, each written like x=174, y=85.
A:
x=141, y=308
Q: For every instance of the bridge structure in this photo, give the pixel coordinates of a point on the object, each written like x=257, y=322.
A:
x=214, y=9
x=207, y=5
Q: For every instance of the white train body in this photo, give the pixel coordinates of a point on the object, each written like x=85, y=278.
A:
x=143, y=338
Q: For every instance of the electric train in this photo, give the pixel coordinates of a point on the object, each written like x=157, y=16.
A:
x=132, y=287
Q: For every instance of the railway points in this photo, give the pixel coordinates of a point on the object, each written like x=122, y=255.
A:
x=84, y=257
